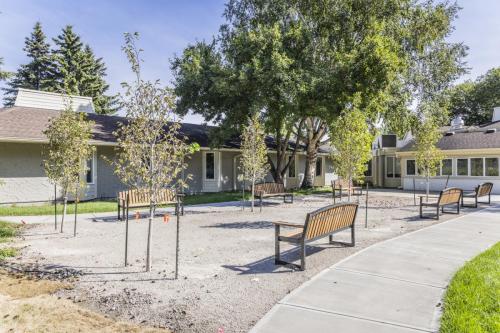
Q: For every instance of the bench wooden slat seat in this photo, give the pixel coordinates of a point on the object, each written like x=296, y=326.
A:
x=482, y=190
x=342, y=185
x=269, y=190
x=140, y=198
x=323, y=222
x=447, y=197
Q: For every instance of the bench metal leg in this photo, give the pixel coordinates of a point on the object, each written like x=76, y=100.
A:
x=260, y=203
x=437, y=212
x=119, y=217
x=302, y=256
x=276, y=245
x=351, y=244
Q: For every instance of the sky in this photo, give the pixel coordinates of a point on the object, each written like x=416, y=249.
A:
x=166, y=27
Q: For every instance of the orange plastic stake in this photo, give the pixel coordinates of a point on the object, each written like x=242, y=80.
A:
x=137, y=215
x=166, y=218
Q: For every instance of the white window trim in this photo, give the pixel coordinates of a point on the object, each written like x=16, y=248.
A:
x=295, y=167
x=406, y=167
x=322, y=167
x=94, y=170
x=393, y=168
x=204, y=166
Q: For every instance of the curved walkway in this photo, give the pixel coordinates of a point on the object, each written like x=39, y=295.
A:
x=392, y=286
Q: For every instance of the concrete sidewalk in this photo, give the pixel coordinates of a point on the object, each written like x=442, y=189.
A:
x=392, y=286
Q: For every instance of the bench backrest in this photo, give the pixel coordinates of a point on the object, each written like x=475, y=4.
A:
x=484, y=189
x=269, y=188
x=142, y=196
x=450, y=195
x=329, y=219
x=341, y=183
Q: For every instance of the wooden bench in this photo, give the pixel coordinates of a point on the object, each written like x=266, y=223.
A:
x=140, y=198
x=481, y=190
x=343, y=184
x=268, y=190
x=323, y=222
x=448, y=197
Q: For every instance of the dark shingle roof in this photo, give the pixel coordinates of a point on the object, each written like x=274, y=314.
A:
x=473, y=137
x=27, y=124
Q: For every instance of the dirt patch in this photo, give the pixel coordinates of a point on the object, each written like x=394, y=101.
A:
x=29, y=305
x=227, y=279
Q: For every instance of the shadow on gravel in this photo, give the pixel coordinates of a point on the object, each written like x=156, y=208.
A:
x=242, y=225
x=266, y=265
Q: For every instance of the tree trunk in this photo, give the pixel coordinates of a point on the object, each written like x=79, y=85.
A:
x=65, y=205
x=427, y=180
x=150, y=227
x=76, y=208
x=349, y=188
x=310, y=170
x=253, y=194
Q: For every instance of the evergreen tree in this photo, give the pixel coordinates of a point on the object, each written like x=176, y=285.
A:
x=77, y=71
x=93, y=83
x=35, y=74
x=69, y=58
x=3, y=75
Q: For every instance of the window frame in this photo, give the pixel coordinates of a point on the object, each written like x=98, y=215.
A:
x=498, y=166
x=394, y=162
x=414, y=167
x=441, y=167
x=468, y=167
x=294, y=165
x=205, y=166
x=320, y=160
x=92, y=169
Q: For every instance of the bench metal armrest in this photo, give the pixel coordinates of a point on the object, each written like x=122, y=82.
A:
x=288, y=224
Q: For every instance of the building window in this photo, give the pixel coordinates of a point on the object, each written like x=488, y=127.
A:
x=410, y=167
x=319, y=167
x=389, y=170
x=393, y=167
x=368, y=171
x=397, y=168
x=491, y=166
x=209, y=166
x=89, y=176
x=446, y=167
x=476, y=167
x=291, y=168
x=462, y=167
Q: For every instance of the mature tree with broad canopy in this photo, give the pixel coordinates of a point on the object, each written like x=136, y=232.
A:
x=475, y=100
x=302, y=63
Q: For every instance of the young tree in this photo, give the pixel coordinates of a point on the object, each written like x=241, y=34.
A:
x=254, y=153
x=77, y=71
x=67, y=152
x=428, y=157
x=151, y=153
x=35, y=74
x=351, y=141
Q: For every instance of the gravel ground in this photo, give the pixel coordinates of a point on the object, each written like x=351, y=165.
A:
x=227, y=277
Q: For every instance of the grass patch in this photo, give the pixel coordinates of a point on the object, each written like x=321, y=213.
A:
x=472, y=301
x=7, y=231
x=314, y=190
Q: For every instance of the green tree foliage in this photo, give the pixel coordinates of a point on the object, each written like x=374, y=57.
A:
x=475, y=100
x=151, y=153
x=351, y=140
x=254, y=162
x=67, y=152
x=3, y=74
x=35, y=74
x=303, y=59
x=77, y=71
x=428, y=157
